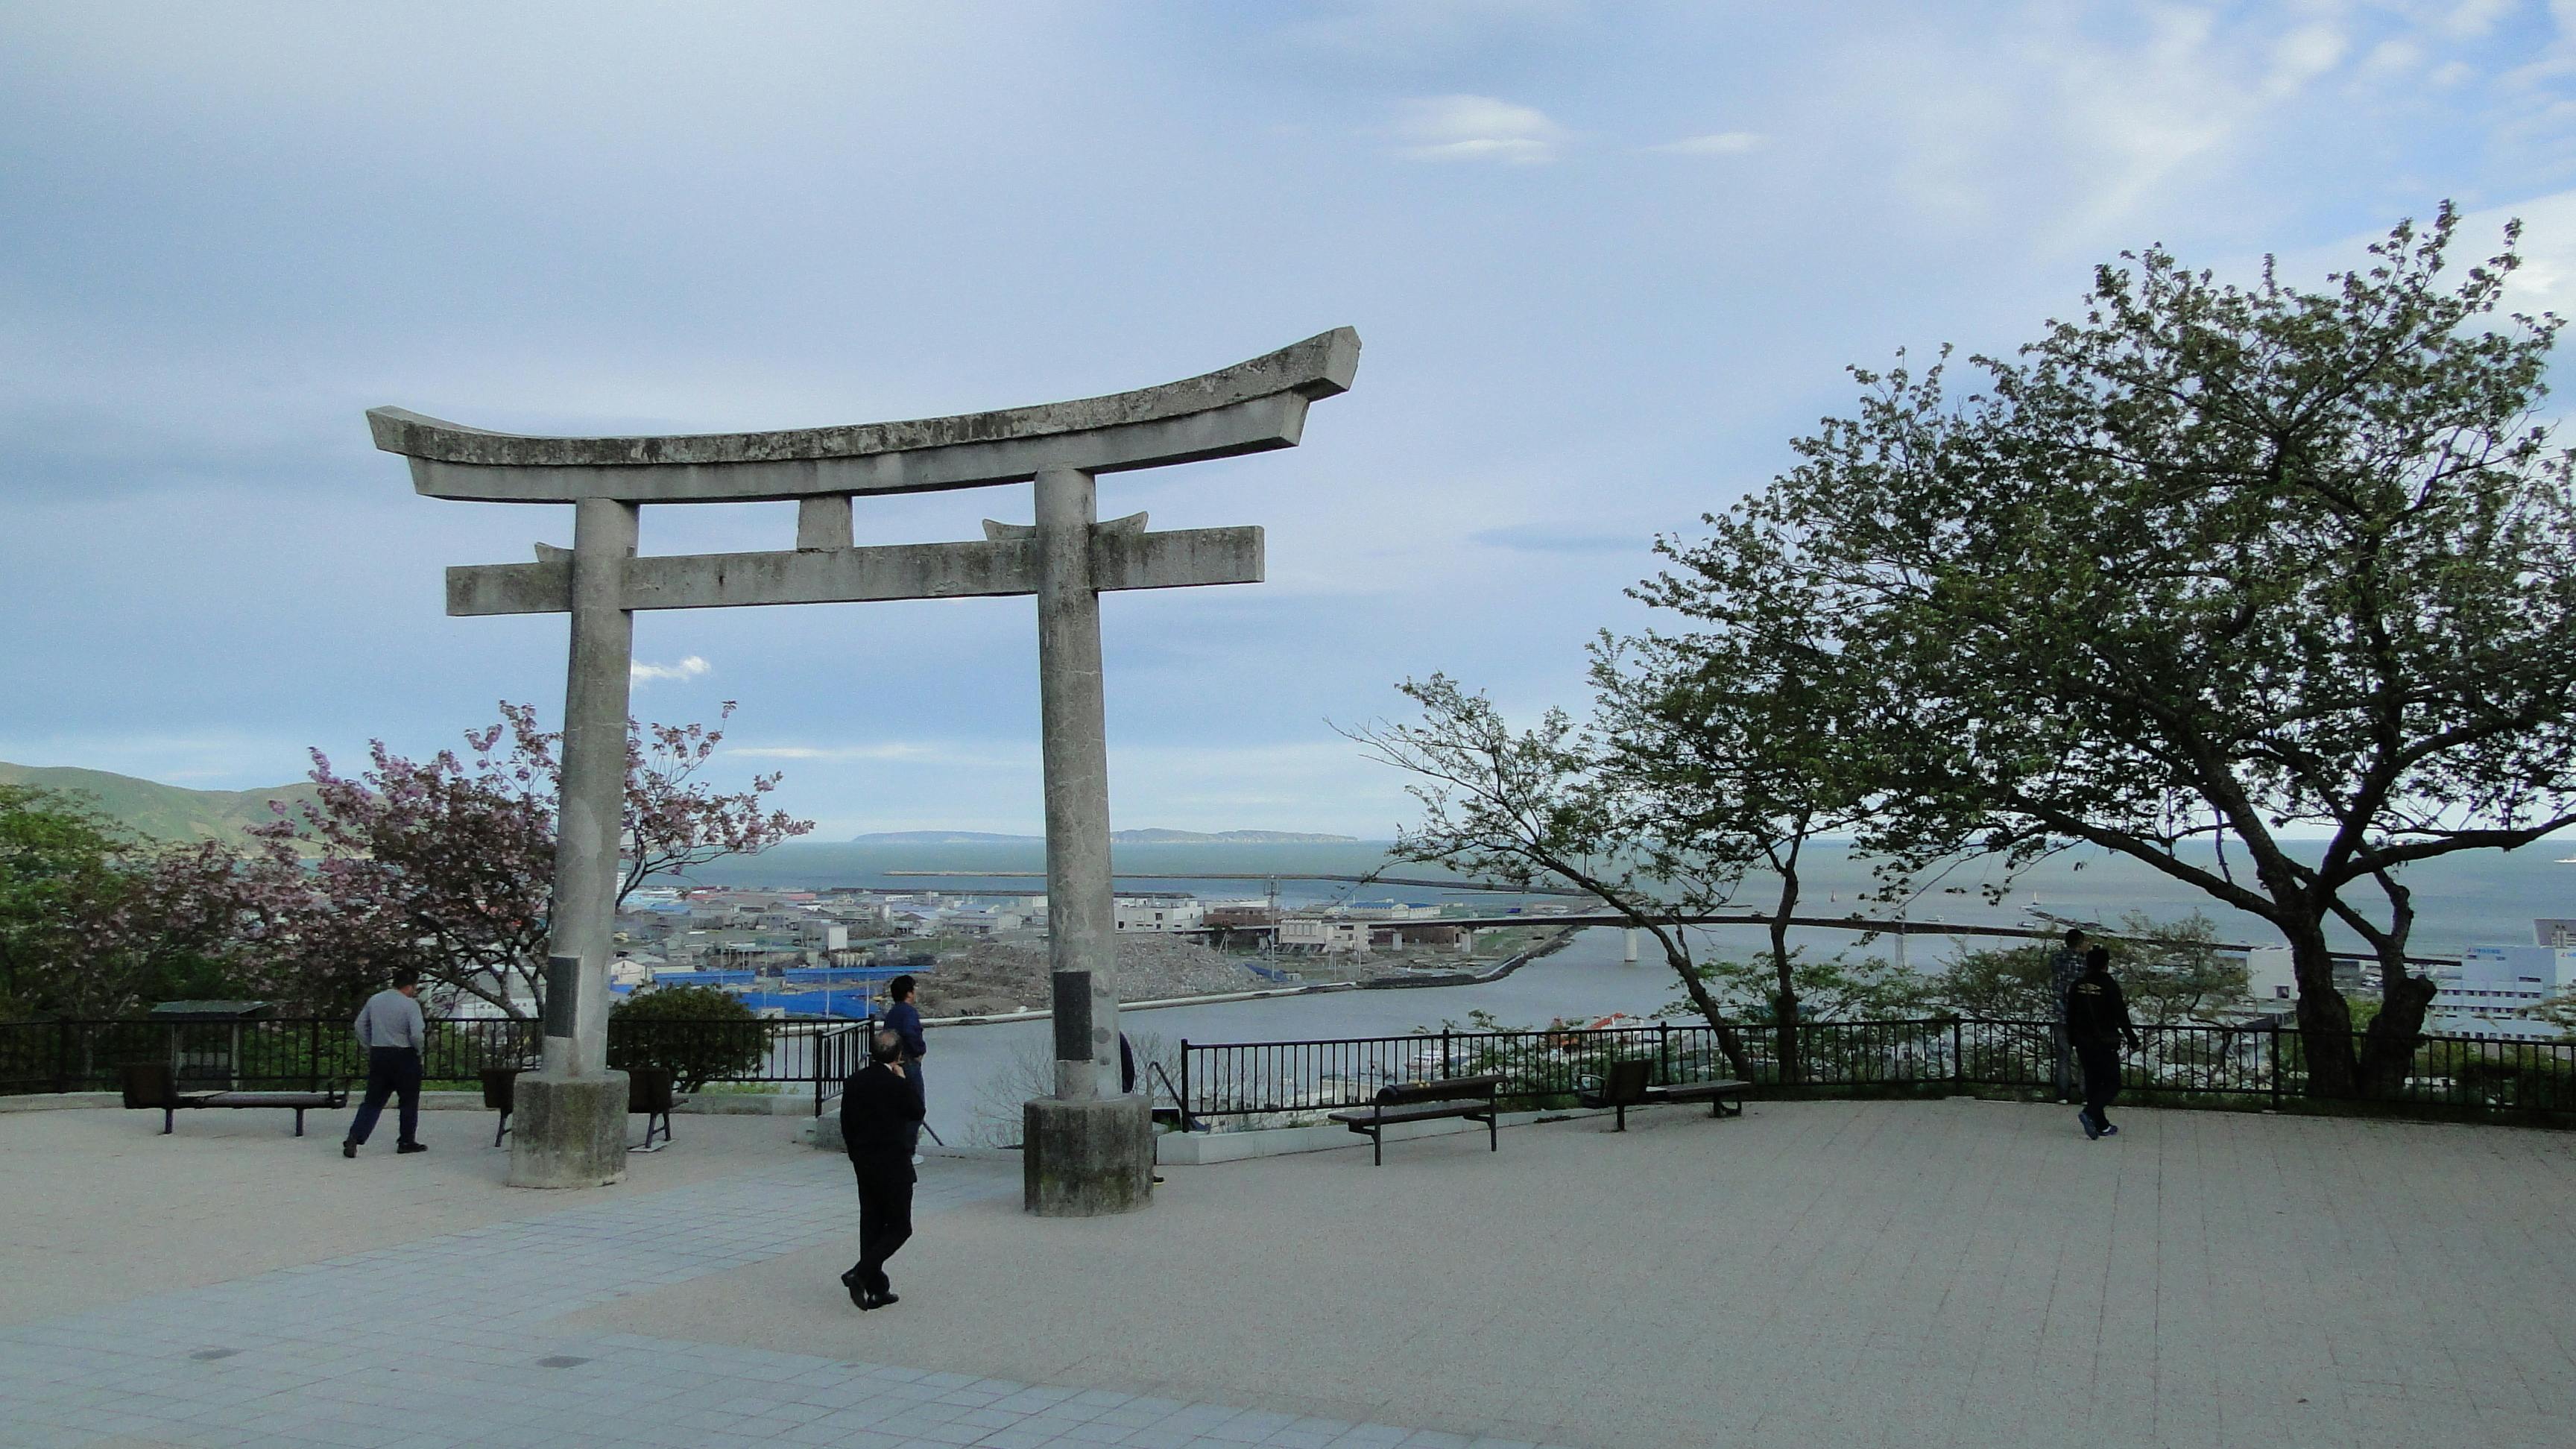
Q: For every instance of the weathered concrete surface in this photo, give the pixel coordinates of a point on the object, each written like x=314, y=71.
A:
x=1086, y=1159
x=1173, y=559
x=101, y=1208
x=1082, y=951
x=591, y=808
x=1321, y=366
x=568, y=1131
x=1250, y=407
x=1892, y=1273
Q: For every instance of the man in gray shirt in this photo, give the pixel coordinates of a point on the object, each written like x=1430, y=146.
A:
x=390, y=1028
x=2063, y=968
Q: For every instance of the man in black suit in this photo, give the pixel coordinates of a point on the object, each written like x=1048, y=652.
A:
x=879, y=1114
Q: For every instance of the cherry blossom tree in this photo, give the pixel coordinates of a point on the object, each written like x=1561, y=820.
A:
x=446, y=865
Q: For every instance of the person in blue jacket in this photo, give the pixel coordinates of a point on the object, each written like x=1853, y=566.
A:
x=904, y=1020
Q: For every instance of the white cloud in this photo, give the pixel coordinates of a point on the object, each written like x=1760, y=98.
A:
x=2391, y=58
x=2301, y=56
x=2472, y=19
x=1477, y=128
x=689, y=668
x=1721, y=143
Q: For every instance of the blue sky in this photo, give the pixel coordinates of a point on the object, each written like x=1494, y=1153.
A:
x=1606, y=259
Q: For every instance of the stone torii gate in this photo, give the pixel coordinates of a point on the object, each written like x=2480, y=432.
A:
x=1088, y=1149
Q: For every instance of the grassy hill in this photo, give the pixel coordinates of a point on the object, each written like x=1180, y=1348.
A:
x=157, y=811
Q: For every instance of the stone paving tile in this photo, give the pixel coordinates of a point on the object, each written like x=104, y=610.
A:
x=441, y=1343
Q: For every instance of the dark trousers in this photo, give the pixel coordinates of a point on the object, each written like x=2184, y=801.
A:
x=920, y=1093
x=390, y=1070
x=2101, y=1063
x=2061, y=1070
x=885, y=1219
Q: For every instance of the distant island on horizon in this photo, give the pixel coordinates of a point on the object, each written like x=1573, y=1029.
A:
x=1118, y=837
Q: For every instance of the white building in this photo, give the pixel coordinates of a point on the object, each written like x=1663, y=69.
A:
x=1160, y=913
x=980, y=923
x=1321, y=937
x=2496, y=991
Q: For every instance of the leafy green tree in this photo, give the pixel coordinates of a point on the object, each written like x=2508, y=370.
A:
x=1829, y=989
x=698, y=1033
x=2171, y=972
x=1550, y=804
x=1744, y=734
x=95, y=921
x=2212, y=568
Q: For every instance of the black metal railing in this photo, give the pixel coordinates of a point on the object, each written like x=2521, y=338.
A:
x=2254, y=1065
x=87, y=1056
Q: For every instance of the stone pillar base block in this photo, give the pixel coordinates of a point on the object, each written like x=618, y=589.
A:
x=1087, y=1159
x=568, y=1131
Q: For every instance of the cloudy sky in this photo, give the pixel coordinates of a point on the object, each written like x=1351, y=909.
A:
x=1607, y=259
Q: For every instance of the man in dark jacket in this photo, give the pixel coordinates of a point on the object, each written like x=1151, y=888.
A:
x=879, y=1114
x=904, y=1020
x=2065, y=964
x=2097, y=1021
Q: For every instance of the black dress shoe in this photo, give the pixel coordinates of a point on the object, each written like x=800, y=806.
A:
x=348, y=1148
x=859, y=1293
x=413, y=1147
x=880, y=1300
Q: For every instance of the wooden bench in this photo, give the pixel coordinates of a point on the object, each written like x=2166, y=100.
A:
x=1469, y=1097
x=1630, y=1084
x=149, y=1086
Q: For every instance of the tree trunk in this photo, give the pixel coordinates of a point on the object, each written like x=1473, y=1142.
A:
x=2325, y=1020
x=2388, y=1047
x=1785, y=1012
x=1729, y=1041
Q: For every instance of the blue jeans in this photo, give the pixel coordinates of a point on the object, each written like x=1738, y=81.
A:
x=390, y=1071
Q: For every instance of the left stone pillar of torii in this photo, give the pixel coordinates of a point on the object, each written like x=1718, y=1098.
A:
x=1089, y=1147
x=571, y=1111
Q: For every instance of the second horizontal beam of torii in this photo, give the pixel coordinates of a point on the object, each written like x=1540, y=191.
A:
x=1005, y=562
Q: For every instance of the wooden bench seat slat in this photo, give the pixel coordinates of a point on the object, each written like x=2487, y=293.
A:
x=1627, y=1086
x=150, y=1086
x=1471, y=1098
x=1411, y=1114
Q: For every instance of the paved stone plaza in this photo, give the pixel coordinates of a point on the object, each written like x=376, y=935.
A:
x=1882, y=1273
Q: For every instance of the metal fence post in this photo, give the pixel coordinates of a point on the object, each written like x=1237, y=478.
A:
x=1958, y=1054
x=1446, y=1069
x=2276, y=1066
x=313, y=1055
x=63, y=1055
x=1184, y=1103
x=1664, y=1050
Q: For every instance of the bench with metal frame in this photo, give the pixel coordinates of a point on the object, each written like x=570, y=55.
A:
x=648, y=1090
x=1471, y=1098
x=1630, y=1083
x=152, y=1086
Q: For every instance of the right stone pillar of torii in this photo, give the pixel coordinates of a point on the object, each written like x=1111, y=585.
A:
x=1088, y=1148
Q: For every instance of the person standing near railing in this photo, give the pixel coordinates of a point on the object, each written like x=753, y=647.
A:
x=390, y=1029
x=2097, y=1018
x=904, y=1020
x=2064, y=966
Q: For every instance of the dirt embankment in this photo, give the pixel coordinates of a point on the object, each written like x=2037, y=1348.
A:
x=990, y=979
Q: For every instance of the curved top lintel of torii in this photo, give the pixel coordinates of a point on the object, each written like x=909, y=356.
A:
x=1247, y=408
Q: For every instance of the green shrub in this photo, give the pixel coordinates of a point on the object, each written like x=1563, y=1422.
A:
x=698, y=1033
